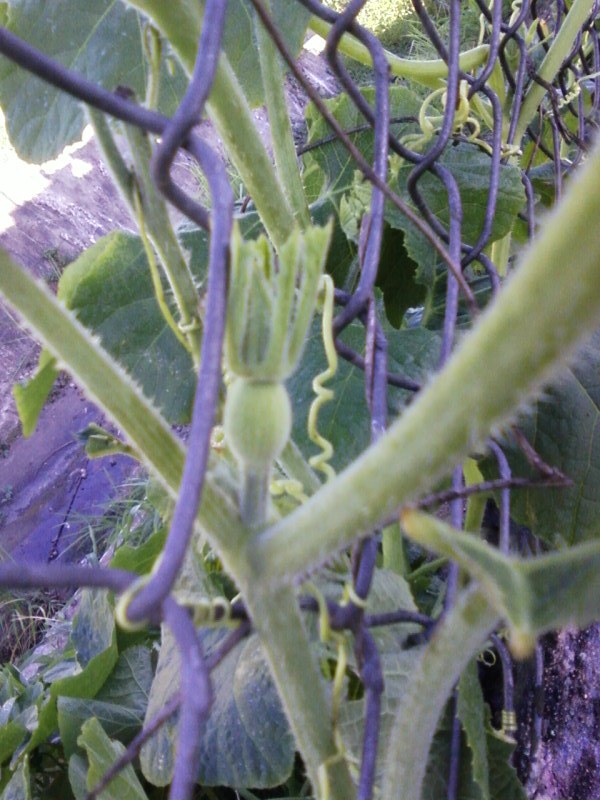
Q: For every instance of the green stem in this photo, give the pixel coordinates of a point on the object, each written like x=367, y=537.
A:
x=277, y=619
x=456, y=640
x=181, y=22
x=295, y=466
x=254, y=496
x=430, y=73
x=393, y=549
x=120, y=172
x=529, y=340
x=286, y=160
x=108, y=385
x=559, y=49
x=500, y=252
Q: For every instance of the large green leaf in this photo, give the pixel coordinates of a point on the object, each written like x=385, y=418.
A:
x=119, y=723
x=564, y=428
x=101, y=40
x=412, y=352
x=246, y=739
x=120, y=705
x=533, y=595
x=471, y=169
x=110, y=289
x=102, y=752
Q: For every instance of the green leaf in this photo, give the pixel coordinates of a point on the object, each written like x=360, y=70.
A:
x=93, y=625
x=128, y=686
x=239, y=42
x=246, y=739
x=19, y=786
x=120, y=704
x=99, y=39
x=563, y=428
x=413, y=353
x=534, y=595
x=471, y=712
x=110, y=289
x=78, y=776
x=140, y=559
x=119, y=723
x=30, y=396
x=102, y=752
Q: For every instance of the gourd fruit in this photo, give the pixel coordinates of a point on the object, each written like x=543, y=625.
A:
x=257, y=420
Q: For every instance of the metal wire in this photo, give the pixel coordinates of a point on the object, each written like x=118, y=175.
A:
x=505, y=37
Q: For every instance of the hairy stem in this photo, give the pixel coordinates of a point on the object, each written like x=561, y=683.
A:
x=277, y=619
x=459, y=636
x=455, y=413
x=286, y=161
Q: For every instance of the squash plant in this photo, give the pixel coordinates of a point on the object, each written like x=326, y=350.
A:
x=289, y=609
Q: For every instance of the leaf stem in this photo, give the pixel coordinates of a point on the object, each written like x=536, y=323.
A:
x=559, y=49
x=164, y=239
x=180, y=23
x=529, y=341
x=429, y=73
x=457, y=638
x=286, y=161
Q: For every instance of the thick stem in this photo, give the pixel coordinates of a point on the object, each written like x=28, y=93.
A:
x=286, y=160
x=429, y=73
x=180, y=22
x=254, y=495
x=277, y=619
x=559, y=49
x=543, y=312
x=459, y=636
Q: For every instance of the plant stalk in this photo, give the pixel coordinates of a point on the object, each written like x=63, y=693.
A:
x=277, y=619
x=559, y=49
x=529, y=340
x=181, y=22
x=286, y=160
x=458, y=637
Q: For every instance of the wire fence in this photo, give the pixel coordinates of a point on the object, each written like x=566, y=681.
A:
x=153, y=601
